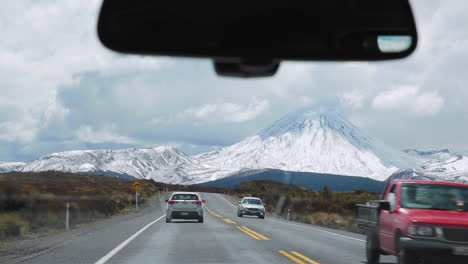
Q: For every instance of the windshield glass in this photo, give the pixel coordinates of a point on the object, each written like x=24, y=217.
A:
x=108, y=157
x=434, y=196
x=252, y=201
x=184, y=197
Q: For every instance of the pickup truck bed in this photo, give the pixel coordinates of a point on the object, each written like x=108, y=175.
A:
x=367, y=215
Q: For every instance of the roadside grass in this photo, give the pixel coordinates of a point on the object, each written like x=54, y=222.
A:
x=323, y=208
x=32, y=203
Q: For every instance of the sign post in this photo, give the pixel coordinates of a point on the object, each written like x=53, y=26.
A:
x=136, y=186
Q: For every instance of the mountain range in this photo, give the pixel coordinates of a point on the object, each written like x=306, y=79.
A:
x=315, y=140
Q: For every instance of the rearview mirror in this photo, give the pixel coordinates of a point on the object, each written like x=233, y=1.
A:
x=167, y=200
x=251, y=40
x=239, y=202
x=204, y=201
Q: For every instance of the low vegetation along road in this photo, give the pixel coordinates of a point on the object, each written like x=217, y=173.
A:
x=144, y=237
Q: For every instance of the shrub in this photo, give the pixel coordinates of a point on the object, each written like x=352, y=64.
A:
x=12, y=225
x=330, y=220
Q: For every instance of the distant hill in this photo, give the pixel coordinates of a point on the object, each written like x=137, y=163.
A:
x=314, y=181
x=112, y=174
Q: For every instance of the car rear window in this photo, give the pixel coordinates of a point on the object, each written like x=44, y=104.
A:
x=253, y=201
x=184, y=197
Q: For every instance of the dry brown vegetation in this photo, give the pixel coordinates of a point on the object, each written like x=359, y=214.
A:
x=36, y=202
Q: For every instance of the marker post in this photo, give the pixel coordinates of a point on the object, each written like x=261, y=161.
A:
x=67, y=217
x=136, y=200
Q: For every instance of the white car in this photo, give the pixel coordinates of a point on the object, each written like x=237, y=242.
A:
x=184, y=205
x=251, y=206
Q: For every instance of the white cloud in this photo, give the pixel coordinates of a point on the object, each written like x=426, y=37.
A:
x=48, y=48
x=229, y=112
x=409, y=99
x=106, y=135
x=353, y=99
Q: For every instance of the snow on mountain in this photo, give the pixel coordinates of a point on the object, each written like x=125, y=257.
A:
x=454, y=168
x=318, y=139
x=429, y=155
x=437, y=164
x=163, y=163
x=312, y=140
x=11, y=166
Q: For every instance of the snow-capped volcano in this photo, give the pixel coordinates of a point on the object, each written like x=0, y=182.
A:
x=312, y=140
x=319, y=140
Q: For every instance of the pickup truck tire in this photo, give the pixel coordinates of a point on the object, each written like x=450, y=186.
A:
x=168, y=220
x=372, y=248
x=200, y=219
x=405, y=257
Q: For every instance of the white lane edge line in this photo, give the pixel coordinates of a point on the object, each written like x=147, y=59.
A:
x=319, y=230
x=123, y=244
x=226, y=200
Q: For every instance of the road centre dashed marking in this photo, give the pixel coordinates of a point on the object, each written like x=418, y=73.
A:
x=256, y=233
x=248, y=233
x=311, y=261
x=291, y=257
x=252, y=233
x=212, y=212
x=297, y=257
x=229, y=221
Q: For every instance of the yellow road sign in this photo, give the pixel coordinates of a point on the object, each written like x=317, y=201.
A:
x=136, y=186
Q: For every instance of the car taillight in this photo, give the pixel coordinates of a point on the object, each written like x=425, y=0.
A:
x=171, y=202
x=197, y=202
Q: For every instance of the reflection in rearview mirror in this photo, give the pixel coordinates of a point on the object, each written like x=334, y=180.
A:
x=394, y=44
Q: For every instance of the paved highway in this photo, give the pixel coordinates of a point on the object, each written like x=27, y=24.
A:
x=144, y=237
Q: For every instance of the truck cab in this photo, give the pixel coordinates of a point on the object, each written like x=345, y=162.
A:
x=418, y=220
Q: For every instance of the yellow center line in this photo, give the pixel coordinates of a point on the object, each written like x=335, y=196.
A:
x=212, y=212
x=256, y=233
x=304, y=257
x=248, y=233
x=291, y=257
x=229, y=221
x=217, y=215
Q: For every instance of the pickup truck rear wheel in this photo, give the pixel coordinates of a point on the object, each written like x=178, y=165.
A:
x=372, y=248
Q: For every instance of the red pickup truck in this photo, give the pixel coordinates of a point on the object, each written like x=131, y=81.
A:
x=417, y=221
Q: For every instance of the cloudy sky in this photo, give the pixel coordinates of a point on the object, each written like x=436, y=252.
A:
x=61, y=90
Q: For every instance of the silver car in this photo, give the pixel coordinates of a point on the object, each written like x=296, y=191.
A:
x=184, y=205
x=251, y=206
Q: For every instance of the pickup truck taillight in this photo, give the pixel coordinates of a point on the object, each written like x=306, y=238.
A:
x=197, y=202
x=172, y=202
